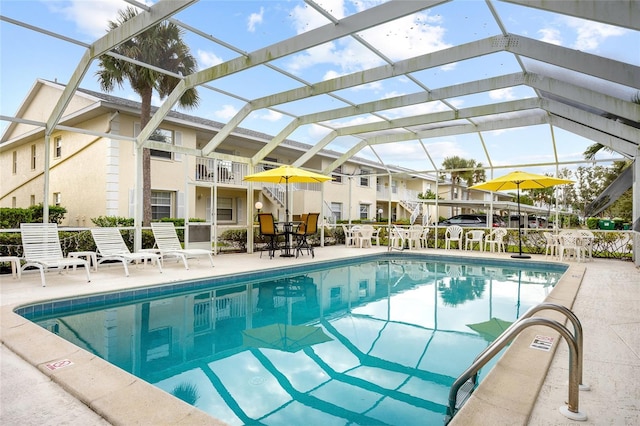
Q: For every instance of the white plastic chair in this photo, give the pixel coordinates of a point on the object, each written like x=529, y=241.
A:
x=413, y=236
x=376, y=236
x=586, y=241
x=453, y=234
x=168, y=243
x=364, y=236
x=41, y=249
x=424, y=236
x=569, y=245
x=551, y=246
x=397, y=237
x=495, y=240
x=475, y=236
x=349, y=235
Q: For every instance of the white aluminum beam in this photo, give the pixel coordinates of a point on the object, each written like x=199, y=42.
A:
x=586, y=63
x=623, y=147
x=621, y=13
x=351, y=24
x=606, y=125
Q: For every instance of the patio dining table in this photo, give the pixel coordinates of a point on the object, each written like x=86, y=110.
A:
x=288, y=230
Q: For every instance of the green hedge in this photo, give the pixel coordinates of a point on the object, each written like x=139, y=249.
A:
x=12, y=217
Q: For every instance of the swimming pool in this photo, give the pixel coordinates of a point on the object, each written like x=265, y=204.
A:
x=398, y=330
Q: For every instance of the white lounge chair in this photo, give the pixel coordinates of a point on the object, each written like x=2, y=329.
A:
x=111, y=246
x=41, y=249
x=168, y=243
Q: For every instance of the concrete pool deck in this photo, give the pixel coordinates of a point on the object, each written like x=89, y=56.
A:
x=93, y=392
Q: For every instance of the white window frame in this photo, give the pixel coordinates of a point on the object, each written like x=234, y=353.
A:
x=156, y=198
x=34, y=153
x=226, y=204
x=57, y=198
x=365, y=180
x=336, y=211
x=57, y=147
x=364, y=211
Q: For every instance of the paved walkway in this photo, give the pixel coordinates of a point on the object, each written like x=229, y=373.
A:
x=608, y=306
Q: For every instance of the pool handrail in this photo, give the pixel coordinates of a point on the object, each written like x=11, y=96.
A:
x=570, y=410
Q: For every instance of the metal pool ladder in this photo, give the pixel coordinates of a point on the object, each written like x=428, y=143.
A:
x=465, y=384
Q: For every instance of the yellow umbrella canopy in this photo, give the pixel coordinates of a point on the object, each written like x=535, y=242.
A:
x=289, y=338
x=520, y=180
x=287, y=174
x=491, y=329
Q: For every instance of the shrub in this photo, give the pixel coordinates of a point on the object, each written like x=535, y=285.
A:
x=592, y=222
x=112, y=221
x=13, y=217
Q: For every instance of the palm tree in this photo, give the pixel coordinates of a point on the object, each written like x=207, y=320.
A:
x=161, y=46
x=454, y=165
x=461, y=169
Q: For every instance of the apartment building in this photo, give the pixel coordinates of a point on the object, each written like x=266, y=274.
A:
x=93, y=168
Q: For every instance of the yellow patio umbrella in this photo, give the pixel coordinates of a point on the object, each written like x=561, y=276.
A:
x=520, y=180
x=287, y=174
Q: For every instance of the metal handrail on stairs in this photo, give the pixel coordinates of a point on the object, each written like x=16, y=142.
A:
x=469, y=377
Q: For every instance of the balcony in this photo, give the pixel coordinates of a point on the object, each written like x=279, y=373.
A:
x=221, y=172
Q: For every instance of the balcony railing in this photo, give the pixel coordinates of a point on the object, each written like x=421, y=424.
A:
x=221, y=172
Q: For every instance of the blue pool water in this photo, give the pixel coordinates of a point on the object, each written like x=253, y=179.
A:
x=373, y=341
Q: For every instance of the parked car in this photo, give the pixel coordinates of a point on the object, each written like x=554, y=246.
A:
x=473, y=221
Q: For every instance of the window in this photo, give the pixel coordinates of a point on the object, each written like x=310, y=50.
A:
x=364, y=211
x=162, y=135
x=57, y=147
x=14, y=162
x=363, y=289
x=335, y=296
x=160, y=204
x=337, y=174
x=225, y=209
x=57, y=198
x=336, y=211
x=32, y=200
x=364, y=178
x=33, y=157
x=14, y=202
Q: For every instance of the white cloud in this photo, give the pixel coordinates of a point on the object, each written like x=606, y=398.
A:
x=270, y=115
x=410, y=36
x=208, y=59
x=317, y=132
x=551, y=35
x=505, y=94
x=226, y=113
x=590, y=35
x=255, y=19
x=90, y=17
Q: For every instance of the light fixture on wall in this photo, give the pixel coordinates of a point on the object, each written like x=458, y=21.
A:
x=379, y=215
x=258, y=206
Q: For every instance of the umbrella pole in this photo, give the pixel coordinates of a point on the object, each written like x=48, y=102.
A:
x=519, y=255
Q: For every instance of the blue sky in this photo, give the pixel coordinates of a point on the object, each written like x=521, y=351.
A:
x=250, y=25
